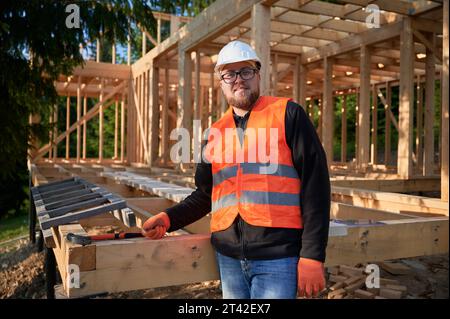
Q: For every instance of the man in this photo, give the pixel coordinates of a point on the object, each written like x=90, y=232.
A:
x=269, y=225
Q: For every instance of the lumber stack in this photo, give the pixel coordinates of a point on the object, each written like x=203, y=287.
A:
x=348, y=282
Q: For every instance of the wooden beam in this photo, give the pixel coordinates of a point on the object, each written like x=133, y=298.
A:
x=444, y=107
x=392, y=202
x=428, y=154
x=122, y=128
x=328, y=110
x=116, y=128
x=184, y=101
x=374, y=144
x=364, y=110
x=429, y=44
x=419, y=124
x=154, y=114
x=406, y=106
x=393, y=239
x=395, y=185
x=165, y=118
x=84, y=127
x=387, y=124
x=142, y=141
x=344, y=129
x=98, y=50
x=224, y=14
x=91, y=113
x=158, y=31
x=352, y=43
x=78, y=119
x=92, y=69
x=100, y=122
x=260, y=43
x=67, y=127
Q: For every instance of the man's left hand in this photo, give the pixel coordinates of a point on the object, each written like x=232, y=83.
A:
x=311, y=279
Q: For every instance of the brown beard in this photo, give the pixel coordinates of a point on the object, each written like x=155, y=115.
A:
x=245, y=103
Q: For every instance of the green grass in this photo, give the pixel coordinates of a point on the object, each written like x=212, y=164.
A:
x=13, y=226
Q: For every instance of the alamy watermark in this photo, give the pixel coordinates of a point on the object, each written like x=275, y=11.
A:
x=373, y=277
x=73, y=19
x=373, y=17
x=262, y=146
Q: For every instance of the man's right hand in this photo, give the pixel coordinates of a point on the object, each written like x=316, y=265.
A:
x=156, y=226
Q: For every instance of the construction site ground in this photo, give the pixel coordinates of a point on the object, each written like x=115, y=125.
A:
x=22, y=276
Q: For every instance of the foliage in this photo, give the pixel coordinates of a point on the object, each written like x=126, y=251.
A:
x=35, y=48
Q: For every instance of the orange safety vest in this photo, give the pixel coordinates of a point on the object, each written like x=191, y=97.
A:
x=265, y=192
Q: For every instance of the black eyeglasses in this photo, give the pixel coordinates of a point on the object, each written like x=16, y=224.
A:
x=245, y=74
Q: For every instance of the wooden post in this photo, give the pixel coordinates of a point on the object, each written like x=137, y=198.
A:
x=67, y=126
x=98, y=52
x=357, y=125
x=197, y=93
x=140, y=133
x=344, y=130
x=387, y=132
x=78, y=119
x=374, y=130
x=116, y=127
x=428, y=156
x=184, y=102
x=130, y=125
x=445, y=119
x=113, y=53
x=146, y=113
x=260, y=43
x=274, y=74
x=83, y=156
x=122, y=128
x=364, y=110
x=158, y=31
x=328, y=109
x=165, y=120
x=154, y=115
x=100, y=123
x=406, y=106
x=419, y=121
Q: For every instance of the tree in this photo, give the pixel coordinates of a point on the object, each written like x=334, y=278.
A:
x=36, y=46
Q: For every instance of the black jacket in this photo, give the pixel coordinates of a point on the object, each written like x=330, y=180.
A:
x=244, y=241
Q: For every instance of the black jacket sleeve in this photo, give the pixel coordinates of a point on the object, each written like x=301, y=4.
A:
x=196, y=205
x=310, y=162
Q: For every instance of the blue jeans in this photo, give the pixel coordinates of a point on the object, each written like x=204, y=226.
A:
x=258, y=279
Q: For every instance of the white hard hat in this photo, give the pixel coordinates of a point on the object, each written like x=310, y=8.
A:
x=236, y=51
